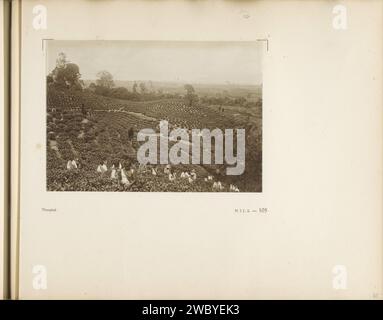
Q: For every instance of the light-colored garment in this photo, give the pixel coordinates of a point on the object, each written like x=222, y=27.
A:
x=113, y=174
x=186, y=175
x=69, y=165
x=217, y=186
x=124, y=179
x=104, y=168
x=234, y=188
x=167, y=169
x=99, y=168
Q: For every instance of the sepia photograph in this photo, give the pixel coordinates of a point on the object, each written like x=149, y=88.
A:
x=199, y=154
x=154, y=116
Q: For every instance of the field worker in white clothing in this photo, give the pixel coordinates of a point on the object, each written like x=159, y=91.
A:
x=234, y=188
x=217, y=186
x=167, y=169
x=99, y=168
x=104, y=168
x=172, y=176
x=131, y=172
x=113, y=174
x=71, y=164
x=193, y=175
x=124, y=179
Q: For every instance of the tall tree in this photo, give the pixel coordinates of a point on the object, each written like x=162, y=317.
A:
x=190, y=95
x=61, y=60
x=105, y=79
x=135, y=87
x=142, y=87
x=65, y=74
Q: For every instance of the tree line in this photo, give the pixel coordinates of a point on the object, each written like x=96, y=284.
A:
x=105, y=86
x=66, y=75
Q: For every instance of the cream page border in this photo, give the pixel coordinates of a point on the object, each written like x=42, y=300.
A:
x=322, y=165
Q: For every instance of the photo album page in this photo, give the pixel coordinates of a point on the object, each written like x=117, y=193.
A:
x=197, y=149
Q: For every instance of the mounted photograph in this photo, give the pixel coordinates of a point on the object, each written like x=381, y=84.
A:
x=154, y=116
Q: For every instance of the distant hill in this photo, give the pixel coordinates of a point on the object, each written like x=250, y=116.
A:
x=229, y=89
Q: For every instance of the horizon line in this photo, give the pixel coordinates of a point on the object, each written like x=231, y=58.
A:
x=185, y=82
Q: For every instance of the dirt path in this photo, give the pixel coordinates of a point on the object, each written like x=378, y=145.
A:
x=135, y=114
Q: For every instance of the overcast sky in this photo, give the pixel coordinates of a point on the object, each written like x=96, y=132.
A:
x=194, y=62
